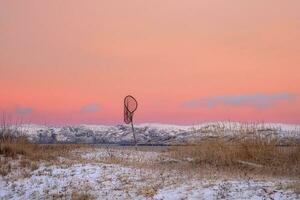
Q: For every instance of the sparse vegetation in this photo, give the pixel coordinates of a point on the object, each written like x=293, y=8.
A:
x=248, y=153
x=296, y=187
x=13, y=143
x=11, y=146
x=81, y=196
x=149, y=190
x=17, y=152
x=255, y=153
x=252, y=148
x=5, y=168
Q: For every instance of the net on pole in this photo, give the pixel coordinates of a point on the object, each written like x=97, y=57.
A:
x=130, y=106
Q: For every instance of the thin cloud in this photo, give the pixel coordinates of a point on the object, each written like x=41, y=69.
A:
x=24, y=110
x=90, y=108
x=255, y=100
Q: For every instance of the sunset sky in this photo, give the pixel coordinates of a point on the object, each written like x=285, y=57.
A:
x=186, y=62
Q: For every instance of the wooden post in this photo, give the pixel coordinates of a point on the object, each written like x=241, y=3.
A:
x=135, y=143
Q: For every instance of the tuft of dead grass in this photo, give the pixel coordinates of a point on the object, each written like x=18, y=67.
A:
x=5, y=168
x=148, y=191
x=295, y=187
x=81, y=196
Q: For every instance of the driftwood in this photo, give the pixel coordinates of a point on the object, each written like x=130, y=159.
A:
x=250, y=164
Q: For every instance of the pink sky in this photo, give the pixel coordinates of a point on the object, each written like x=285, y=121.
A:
x=185, y=61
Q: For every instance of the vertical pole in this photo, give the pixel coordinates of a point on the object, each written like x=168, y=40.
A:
x=135, y=143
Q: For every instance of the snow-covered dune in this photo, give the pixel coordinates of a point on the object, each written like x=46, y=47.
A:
x=154, y=134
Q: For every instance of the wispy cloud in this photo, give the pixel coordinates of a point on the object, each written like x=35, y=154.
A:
x=24, y=110
x=259, y=100
x=90, y=108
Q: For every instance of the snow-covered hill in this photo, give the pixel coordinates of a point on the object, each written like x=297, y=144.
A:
x=155, y=134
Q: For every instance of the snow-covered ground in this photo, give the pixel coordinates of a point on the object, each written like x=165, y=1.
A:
x=90, y=174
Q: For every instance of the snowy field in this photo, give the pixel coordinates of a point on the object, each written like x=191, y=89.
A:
x=120, y=173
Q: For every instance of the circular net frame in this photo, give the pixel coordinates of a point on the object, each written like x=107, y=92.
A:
x=130, y=105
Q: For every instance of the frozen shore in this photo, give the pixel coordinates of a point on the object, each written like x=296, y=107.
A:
x=95, y=179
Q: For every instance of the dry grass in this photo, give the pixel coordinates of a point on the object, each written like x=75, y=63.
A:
x=81, y=196
x=12, y=147
x=13, y=144
x=148, y=190
x=254, y=153
x=18, y=154
x=5, y=168
x=296, y=188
